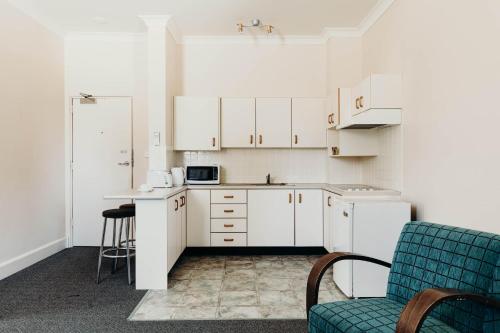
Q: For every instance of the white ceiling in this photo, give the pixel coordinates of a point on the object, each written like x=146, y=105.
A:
x=200, y=17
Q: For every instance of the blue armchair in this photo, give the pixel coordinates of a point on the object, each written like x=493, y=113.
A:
x=442, y=279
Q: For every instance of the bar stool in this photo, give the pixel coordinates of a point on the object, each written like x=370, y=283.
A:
x=123, y=215
x=130, y=206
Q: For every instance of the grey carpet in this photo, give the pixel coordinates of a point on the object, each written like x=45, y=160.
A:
x=59, y=294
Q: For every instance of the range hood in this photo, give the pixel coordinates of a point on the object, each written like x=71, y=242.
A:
x=372, y=118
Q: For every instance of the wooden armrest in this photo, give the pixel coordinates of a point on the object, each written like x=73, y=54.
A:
x=415, y=311
x=322, y=265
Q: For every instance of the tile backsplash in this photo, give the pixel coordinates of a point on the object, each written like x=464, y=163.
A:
x=252, y=165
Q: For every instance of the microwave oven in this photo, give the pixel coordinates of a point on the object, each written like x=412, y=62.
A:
x=203, y=174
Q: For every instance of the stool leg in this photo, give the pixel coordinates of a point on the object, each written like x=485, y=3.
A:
x=118, y=246
x=101, y=249
x=128, y=250
x=113, y=245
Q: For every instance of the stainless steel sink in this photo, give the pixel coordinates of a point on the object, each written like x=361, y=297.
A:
x=258, y=184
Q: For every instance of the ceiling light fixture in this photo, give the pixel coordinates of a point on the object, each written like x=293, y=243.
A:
x=255, y=23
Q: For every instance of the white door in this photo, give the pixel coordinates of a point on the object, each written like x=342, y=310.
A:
x=102, y=163
x=308, y=218
x=198, y=218
x=308, y=126
x=327, y=221
x=342, y=242
x=238, y=122
x=273, y=122
x=196, y=123
x=270, y=218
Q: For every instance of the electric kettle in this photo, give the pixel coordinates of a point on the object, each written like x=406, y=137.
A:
x=178, y=176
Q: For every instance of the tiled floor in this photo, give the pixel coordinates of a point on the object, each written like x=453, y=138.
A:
x=239, y=287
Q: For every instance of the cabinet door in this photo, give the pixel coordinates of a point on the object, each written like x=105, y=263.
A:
x=327, y=221
x=308, y=218
x=238, y=122
x=273, y=122
x=172, y=230
x=308, y=127
x=342, y=242
x=183, y=209
x=198, y=218
x=270, y=218
x=196, y=123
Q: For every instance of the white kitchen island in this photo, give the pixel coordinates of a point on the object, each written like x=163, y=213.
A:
x=152, y=246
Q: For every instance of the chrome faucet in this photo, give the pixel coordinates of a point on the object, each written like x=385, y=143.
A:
x=268, y=179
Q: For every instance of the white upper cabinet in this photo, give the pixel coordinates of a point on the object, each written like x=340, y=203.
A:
x=378, y=91
x=196, y=123
x=238, y=122
x=308, y=218
x=308, y=126
x=273, y=122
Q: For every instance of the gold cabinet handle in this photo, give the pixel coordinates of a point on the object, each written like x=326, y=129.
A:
x=176, y=205
x=357, y=103
x=333, y=121
x=289, y=197
x=335, y=150
x=228, y=225
x=213, y=142
x=329, y=118
x=260, y=139
x=183, y=202
x=296, y=139
x=300, y=197
x=228, y=210
x=361, y=102
x=228, y=196
x=251, y=139
x=329, y=202
x=228, y=239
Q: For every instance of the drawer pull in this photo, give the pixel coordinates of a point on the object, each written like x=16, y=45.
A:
x=228, y=239
x=228, y=225
x=300, y=197
x=289, y=197
x=345, y=214
x=228, y=210
x=229, y=197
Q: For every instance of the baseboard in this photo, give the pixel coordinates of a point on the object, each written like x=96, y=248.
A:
x=197, y=251
x=29, y=258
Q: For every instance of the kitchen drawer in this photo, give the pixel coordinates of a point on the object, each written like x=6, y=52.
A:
x=229, y=196
x=228, y=239
x=229, y=225
x=228, y=211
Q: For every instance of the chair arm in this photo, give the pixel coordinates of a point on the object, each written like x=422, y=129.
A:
x=322, y=265
x=415, y=311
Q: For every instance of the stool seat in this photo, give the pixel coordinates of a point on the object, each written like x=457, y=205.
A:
x=128, y=206
x=118, y=213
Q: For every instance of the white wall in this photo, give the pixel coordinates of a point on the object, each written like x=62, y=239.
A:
x=447, y=54
x=31, y=141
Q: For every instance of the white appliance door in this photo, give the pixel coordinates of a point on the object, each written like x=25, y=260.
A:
x=342, y=242
x=377, y=226
x=102, y=163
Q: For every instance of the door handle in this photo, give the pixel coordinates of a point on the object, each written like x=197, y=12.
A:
x=361, y=105
x=213, y=142
x=176, y=205
x=296, y=139
x=260, y=138
x=127, y=163
x=329, y=202
x=300, y=197
x=251, y=139
x=289, y=197
x=357, y=103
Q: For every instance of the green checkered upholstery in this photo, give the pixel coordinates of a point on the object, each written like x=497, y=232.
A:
x=364, y=315
x=427, y=256
x=439, y=256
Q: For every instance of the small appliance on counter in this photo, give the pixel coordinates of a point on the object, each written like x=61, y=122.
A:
x=159, y=178
x=178, y=176
x=203, y=174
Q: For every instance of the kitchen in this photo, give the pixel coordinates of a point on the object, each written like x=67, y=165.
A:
x=212, y=165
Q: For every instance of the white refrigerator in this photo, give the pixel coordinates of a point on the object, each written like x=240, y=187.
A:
x=370, y=228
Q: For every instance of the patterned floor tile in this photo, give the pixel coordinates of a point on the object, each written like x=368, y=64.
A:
x=228, y=298
x=264, y=284
x=239, y=312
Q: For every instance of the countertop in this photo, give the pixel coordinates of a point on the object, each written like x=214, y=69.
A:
x=165, y=193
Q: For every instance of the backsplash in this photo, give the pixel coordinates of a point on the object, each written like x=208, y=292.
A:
x=252, y=165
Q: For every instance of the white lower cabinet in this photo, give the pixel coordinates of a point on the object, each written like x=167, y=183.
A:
x=176, y=228
x=270, y=218
x=328, y=220
x=308, y=218
x=229, y=239
x=198, y=218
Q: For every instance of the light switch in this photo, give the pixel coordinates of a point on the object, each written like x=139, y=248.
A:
x=156, y=139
